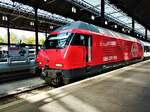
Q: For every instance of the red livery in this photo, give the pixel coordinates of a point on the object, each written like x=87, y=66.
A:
x=80, y=48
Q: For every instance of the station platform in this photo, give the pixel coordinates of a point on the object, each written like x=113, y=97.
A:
x=15, y=66
x=16, y=70
x=123, y=90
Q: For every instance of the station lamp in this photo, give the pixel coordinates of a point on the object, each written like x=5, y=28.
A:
x=115, y=26
x=51, y=27
x=93, y=17
x=4, y=18
x=123, y=29
x=106, y=23
x=74, y=10
x=140, y=36
x=128, y=31
x=32, y=23
x=45, y=0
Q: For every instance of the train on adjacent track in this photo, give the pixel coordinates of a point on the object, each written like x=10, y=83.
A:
x=80, y=48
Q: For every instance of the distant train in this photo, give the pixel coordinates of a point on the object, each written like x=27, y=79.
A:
x=80, y=48
x=146, y=48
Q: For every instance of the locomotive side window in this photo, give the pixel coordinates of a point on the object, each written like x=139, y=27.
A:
x=80, y=39
x=77, y=40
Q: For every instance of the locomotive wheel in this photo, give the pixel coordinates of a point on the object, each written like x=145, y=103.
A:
x=56, y=81
x=66, y=81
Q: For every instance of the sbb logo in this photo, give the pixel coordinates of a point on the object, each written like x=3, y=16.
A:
x=134, y=50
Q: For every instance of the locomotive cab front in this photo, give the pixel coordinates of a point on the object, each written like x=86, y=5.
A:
x=64, y=56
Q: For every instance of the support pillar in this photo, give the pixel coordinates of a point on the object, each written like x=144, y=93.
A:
x=46, y=31
x=102, y=12
x=8, y=30
x=45, y=34
x=145, y=33
x=133, y=26
x=36, y=29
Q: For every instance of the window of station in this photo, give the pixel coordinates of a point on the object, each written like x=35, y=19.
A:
x=29, y=38
x=3, y=46
x=18, y=39
x=41, y=38
x=3, y=35
x=22, y=36
x=13, y=37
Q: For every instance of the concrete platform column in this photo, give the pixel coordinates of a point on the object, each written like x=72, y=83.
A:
x=36, y=28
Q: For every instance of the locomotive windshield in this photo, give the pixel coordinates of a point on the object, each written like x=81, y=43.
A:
x=57, y=41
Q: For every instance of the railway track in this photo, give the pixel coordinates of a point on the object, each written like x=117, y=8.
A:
x=23, y=92
x=16, y=75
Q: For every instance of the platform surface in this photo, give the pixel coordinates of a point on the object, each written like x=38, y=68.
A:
x=123, y=90
x=15, y=66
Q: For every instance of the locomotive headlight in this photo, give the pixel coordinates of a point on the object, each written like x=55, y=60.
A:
x=59, y=65
x=40, y=63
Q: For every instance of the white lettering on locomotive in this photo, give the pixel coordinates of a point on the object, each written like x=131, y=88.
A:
x=109, y=58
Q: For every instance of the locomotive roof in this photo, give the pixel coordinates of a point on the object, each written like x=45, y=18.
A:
x=93, y=28
x=78, y=25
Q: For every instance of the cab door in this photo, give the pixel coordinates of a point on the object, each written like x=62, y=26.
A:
x=88, y=50
x=80, y=53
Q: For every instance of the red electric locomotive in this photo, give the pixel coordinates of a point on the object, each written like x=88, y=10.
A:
x=80, y=48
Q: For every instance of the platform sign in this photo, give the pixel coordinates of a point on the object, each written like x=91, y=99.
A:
x=18, y=52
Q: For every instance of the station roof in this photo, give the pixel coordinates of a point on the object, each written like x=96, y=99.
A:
x=139, y=9
x=119, y=14
x=22, y=17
